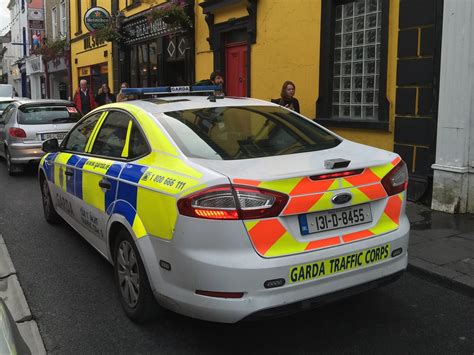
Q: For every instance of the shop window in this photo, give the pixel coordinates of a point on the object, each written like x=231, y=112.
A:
x=354, y=64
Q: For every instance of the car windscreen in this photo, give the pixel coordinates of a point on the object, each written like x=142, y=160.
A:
x=4, y=104
x=244, y=132
x=47, y=114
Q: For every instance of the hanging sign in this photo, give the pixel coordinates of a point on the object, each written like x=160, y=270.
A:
x=96, y=18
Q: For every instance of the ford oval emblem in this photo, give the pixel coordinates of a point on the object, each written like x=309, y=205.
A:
x=340, y=199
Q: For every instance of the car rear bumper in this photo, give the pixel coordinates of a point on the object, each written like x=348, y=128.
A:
x=242, y=270
x=24, y=153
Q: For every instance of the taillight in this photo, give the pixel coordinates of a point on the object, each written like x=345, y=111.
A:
x=396, y=180
x=233, y=202
x=17, y=132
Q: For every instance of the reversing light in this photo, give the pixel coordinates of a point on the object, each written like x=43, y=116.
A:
x=220, y=294
x=336, y=175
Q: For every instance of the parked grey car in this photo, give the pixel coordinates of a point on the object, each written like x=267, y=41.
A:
x=25, y=125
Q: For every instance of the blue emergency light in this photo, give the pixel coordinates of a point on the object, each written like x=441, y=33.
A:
x=167, y=90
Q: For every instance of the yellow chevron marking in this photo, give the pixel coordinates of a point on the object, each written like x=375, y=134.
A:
x=286, y=245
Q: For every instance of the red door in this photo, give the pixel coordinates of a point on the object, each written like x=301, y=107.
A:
x=236, y=70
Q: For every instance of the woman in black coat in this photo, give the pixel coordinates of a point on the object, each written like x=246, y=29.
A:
x=104, y=96
x=287, y=98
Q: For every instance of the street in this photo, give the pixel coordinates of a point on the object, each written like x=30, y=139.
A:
x=71, y=293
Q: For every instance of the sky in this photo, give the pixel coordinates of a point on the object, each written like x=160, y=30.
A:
x=4, y=15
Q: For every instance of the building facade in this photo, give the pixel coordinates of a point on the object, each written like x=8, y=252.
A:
x=58, y=67
x=91, y=57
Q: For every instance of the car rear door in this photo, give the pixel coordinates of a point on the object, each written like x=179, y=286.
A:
x=3, y=128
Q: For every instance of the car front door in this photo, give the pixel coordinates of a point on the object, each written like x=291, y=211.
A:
x=3, y=130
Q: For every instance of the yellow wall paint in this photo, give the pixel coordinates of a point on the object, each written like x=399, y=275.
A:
x=234, y=11
x=92, y=56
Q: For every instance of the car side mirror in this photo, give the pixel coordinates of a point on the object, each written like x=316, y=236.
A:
x=50, y=146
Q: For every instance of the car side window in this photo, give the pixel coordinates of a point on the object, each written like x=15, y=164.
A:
x=7, y=114
x=110, y=140
x=77, y=139
x=138, y=144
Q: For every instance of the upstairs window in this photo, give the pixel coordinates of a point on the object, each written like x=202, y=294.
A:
x=54, y=22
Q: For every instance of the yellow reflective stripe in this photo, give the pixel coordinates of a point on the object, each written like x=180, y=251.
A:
x=176, y=164
x=138, y=227
x=156, y=137
x=192, y=190
x=60, y=170
x=325, y=203
x=285, y=185
x=384, y=225
x=90, y=141
x=345, y=184
x=157, y=212
x=358, y=196
x=250, y=224
x=382, y=170
x=286, y=245
x=127, y=140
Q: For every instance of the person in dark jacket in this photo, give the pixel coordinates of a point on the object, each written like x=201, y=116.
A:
x=104, y=96
x=287, y=97
x=83, y=98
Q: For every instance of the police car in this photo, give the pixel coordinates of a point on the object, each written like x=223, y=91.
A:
x=227, y=209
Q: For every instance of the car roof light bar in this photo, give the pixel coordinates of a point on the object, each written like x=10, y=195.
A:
x=171, y=90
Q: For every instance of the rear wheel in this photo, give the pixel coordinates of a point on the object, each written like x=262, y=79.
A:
x=12, y=168
x=50, y=213
x=132, y=282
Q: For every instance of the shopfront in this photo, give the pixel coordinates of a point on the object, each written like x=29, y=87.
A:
x=156, y=54
x=36, y=78
x=58, y=77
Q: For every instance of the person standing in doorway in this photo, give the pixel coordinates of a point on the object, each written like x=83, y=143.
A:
x=121, y=96
x=287, y=97
x=83, y=98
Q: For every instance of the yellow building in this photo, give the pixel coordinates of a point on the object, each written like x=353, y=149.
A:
x=91, y=58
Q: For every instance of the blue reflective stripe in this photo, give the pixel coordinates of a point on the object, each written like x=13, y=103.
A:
x=78, y=178
x=112, y=172
x=128, y=192
x=123, y=208
x=70, y=180
x=48, y=166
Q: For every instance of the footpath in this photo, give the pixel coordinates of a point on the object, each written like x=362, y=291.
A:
x=441, y=247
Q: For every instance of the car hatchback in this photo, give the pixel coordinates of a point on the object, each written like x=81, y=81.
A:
x=25, y=125
x=227, y=209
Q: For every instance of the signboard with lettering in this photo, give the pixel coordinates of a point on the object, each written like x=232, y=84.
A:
x=34, y=65
x=96, y=18
x=141, y=29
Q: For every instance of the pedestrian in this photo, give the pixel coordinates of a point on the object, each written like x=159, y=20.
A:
x=216, y=78
x=83, y=98
x=104, y=96
x=120, y=95
x=287, y=97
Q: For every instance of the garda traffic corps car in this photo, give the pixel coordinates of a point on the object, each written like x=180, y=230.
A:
x=226, y=209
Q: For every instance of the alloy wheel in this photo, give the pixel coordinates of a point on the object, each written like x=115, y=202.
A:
x=128, y=273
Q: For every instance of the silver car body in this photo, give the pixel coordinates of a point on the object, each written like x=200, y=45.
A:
x=28, y=149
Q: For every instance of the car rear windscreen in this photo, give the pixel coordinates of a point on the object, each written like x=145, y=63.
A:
x=3, y=105
x=244, y=132
x=47, y=114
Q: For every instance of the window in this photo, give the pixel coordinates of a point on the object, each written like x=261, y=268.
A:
x=7, y=114
x=354, y=63
x=62, y=19
x=134, y=3
x=138, y=144
x=54, y=22
x=32, y=115
x=77, y=139
x=230, y=133
x=79, y=16
x=110, y=141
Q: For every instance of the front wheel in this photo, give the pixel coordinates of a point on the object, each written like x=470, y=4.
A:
x=50, y=213
x=132, y=282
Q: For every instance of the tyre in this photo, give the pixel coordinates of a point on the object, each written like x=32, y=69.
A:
x=11, y=168
x=132, y=282
x=50, y=213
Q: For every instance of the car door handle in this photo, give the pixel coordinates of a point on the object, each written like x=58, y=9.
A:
x=69, y=173
x=105, y=184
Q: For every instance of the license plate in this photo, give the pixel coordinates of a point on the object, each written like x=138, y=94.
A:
x=58, y=135
x=352, y=261
x=334, y=219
